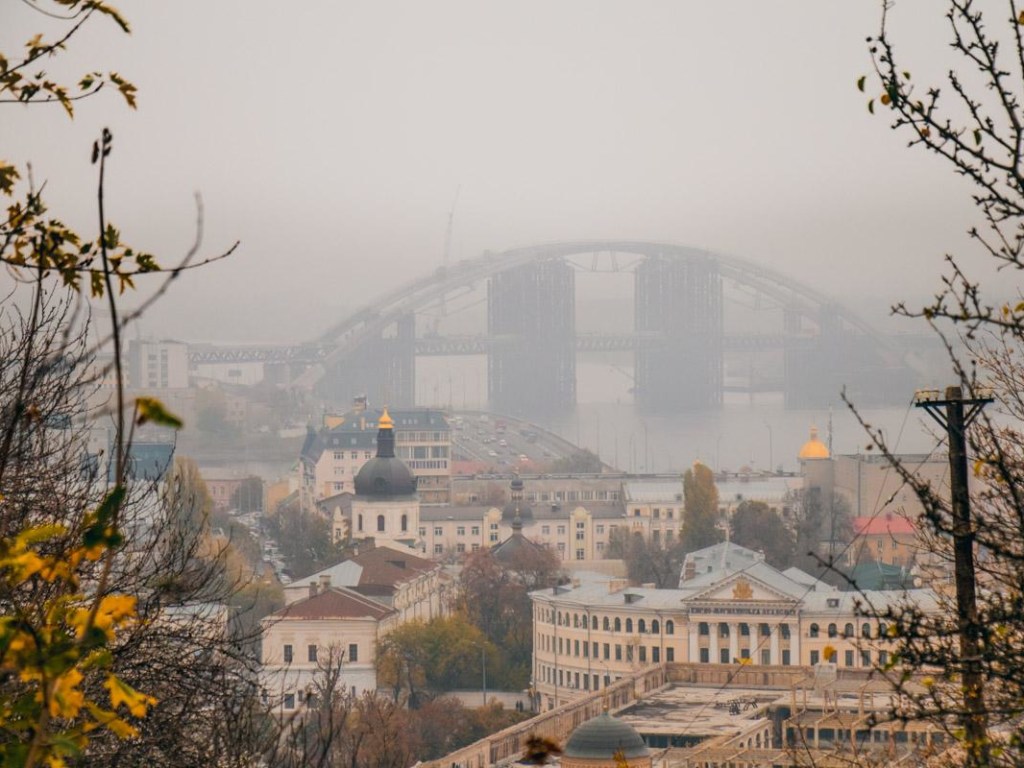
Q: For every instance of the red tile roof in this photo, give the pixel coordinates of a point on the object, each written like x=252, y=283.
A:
x=334, y=603
x=887, y=525
x=389, y=567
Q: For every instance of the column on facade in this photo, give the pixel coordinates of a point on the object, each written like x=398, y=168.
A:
x=734, y=641
x=691, y=628
x=794, y=643
x=776, y=630
x=713, y=648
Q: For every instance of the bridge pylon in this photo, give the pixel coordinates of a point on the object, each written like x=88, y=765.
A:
x=383, y=369
x=531, y=313
x=680, y=300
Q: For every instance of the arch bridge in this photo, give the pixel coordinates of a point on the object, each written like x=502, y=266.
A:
x=681, y=338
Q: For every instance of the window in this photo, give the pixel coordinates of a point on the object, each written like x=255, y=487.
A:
x=423, y=532
x=723, y=656
x=289, y=701
x=865, y=658
x=475, y=530
x=703, y=629
x=812, y=631
x=405, y=523
x=848, y=630
x=438, y=530
x=865, y=630
x=785, y=631
x=561, y=547
x=670, y=627
x=493, y=537
x=600, y=529
x=438, y=549
x=460, y=547
x=849, y=658
x=883, y=657
x=476, y=547
x=833, y=631
x=786, y=658
x=580, y=535
x=460, y=531
x=723, y=629
x=766, y=656
x=643, y=654
x=545, y=529
x=606, y=625
x=705, y=655
x=815, y=657
x=618, y=624
x=745, y=629
x=765, y=630
x=655, y=627
x=360, y=522
x=579, y=554
x=618, y=653
x=655, y=654
x=311, y=653
x=593, y=622
x=561, y=529
x=580, y=526
x=670, y=654
x=380, y=523
x=600, y=546
x=606, y=651
x=641, y=626
x=287, y=654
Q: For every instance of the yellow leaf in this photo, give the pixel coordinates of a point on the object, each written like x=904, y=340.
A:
x=67, y=696
x=1020, y=19
x=122, y=693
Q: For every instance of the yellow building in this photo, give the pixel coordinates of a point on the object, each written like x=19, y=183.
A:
x=730, y=608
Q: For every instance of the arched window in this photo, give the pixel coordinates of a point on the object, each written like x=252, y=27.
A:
x=848, y=630
x=606, y=625
x=405, y=523
x=360, y=522
x=813, y=630
x=576, y=621
x=641, y=626
x=745, y=629
x=865, y=630
x=832, y=630
x=655, y=627
x=883, y=630
x=618, y=624
x=723, y=629
x=593, y=622
x=670, y=627
x=629, y=625
x=380, y=522
x=703, y=629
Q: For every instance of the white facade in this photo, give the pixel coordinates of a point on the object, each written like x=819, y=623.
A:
x=158, y=364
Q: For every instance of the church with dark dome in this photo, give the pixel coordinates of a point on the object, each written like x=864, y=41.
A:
x=605, y=742
x=385, y=506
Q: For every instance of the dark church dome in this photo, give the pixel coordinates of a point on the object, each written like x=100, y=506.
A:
x=602, y=737
x=516, y=507
x=385, y=475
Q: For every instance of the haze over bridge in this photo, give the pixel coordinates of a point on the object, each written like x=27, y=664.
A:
x=686, y=324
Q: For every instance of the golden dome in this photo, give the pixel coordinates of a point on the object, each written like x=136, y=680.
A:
x=385, y=422
x=813, y=448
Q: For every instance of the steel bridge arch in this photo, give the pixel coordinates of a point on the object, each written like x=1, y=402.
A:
x=369, y=322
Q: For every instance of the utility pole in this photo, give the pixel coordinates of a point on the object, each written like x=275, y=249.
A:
x=948, y=410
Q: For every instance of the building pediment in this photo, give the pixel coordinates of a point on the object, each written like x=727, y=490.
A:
x=741, y=588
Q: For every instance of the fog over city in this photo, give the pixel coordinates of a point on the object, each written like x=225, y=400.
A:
x=331, y=139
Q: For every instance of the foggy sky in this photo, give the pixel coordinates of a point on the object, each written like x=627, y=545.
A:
x=330, y=138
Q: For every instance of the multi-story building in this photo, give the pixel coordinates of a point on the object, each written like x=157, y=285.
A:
x=730, y=608
x=157, y=364
x=332, y=457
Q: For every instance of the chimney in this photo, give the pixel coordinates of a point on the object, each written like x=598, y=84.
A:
x=325, y=581
x=312, y=589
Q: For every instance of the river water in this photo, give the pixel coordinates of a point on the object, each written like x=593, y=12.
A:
x=754, y=431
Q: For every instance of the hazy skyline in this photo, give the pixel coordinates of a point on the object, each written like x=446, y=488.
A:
x=330, y=139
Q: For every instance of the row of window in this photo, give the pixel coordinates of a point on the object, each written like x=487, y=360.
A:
x=586, y=650
x=382, y=523
x=765, y=630
x=848, y=631
x=312, y=652
x=579, y=621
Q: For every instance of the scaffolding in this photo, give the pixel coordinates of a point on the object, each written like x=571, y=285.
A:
x=531, y=315
x=679, y=300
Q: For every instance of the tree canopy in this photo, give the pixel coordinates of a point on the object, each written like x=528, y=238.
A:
x=700, y=515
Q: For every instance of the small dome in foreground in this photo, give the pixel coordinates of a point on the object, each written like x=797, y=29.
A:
x=813, y=448
x=602, y=738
